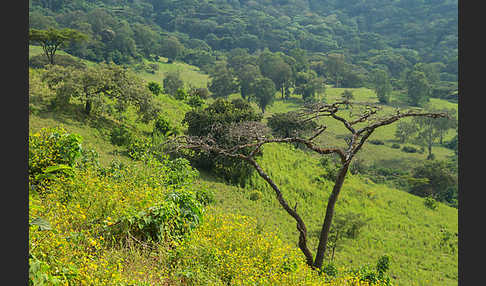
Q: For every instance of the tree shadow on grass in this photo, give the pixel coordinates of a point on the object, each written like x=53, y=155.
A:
x=73, y=114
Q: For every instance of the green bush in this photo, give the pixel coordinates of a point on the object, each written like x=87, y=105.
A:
x=138, y=148
x=409, y=149
x=171, y=220
x=155, y=87
x=52, y=147
x=205, y=196
x=431, y=203
x=383, y=264
x=180, y=94
x=179, y=172
x=223, y=114
x=376, y=142
x=330, y=270
x=162, y=126
x=194, y=101
x=395, y=146
x=255, y=195
x=120, y=136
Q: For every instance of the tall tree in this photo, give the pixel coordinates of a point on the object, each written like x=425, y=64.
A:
x=247, y=76
x=52, y=40
x=264, y=92
x=308, y=84
x=275, y=68
x=382, y=85
x=171, y=48
x=223, y=82
x=254, y=133
x=335, y=66
x=418, y=88
x=430, y=131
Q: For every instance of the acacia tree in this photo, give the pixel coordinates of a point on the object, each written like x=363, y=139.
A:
x=95, y=85
x=360, y=127
x=53, y=39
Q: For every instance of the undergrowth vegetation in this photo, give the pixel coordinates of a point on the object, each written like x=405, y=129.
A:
x=128, y=214
x=101, y=225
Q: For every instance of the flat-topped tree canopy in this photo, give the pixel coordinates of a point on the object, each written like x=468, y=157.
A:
x=53, y=39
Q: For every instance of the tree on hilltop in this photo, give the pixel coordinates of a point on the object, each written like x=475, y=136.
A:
x=52, y=40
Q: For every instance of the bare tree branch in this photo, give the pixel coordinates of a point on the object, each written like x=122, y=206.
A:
x=255, y=135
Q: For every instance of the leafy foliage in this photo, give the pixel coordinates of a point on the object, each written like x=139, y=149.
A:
x=102, y=87
x=216, y=121
x=441, y=182
x=53, y=39
x=120, y=136
x=50, y=148
x=172, y=83
x=154, y=87
x=171, y=219
x=289, y=124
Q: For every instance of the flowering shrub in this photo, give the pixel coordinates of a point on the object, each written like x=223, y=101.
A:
x=51, y=147
x=76, y=228
x=75, y=249
x=227, y=249
x=172, y=219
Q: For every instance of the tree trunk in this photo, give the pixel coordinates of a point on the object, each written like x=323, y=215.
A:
x=292, y=212
x=429, y=148
x=326, y=226
x=88, y=107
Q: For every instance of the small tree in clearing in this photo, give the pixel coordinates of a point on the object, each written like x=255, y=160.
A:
x=52, y=39
x=360, y=127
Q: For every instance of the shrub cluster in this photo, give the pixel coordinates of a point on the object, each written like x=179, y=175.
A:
x=376, y=142
x=50, y=148
x=85, y=228
x=74, y=224
x=410, y=149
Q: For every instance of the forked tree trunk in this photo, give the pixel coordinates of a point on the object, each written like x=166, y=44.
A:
x=326, y=226
x=292, y=212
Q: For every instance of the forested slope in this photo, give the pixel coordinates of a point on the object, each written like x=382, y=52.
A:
x=391, y=34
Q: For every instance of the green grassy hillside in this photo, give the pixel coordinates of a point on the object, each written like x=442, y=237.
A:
x=399, y=225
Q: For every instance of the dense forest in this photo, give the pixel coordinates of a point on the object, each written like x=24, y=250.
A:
x=390, y=36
